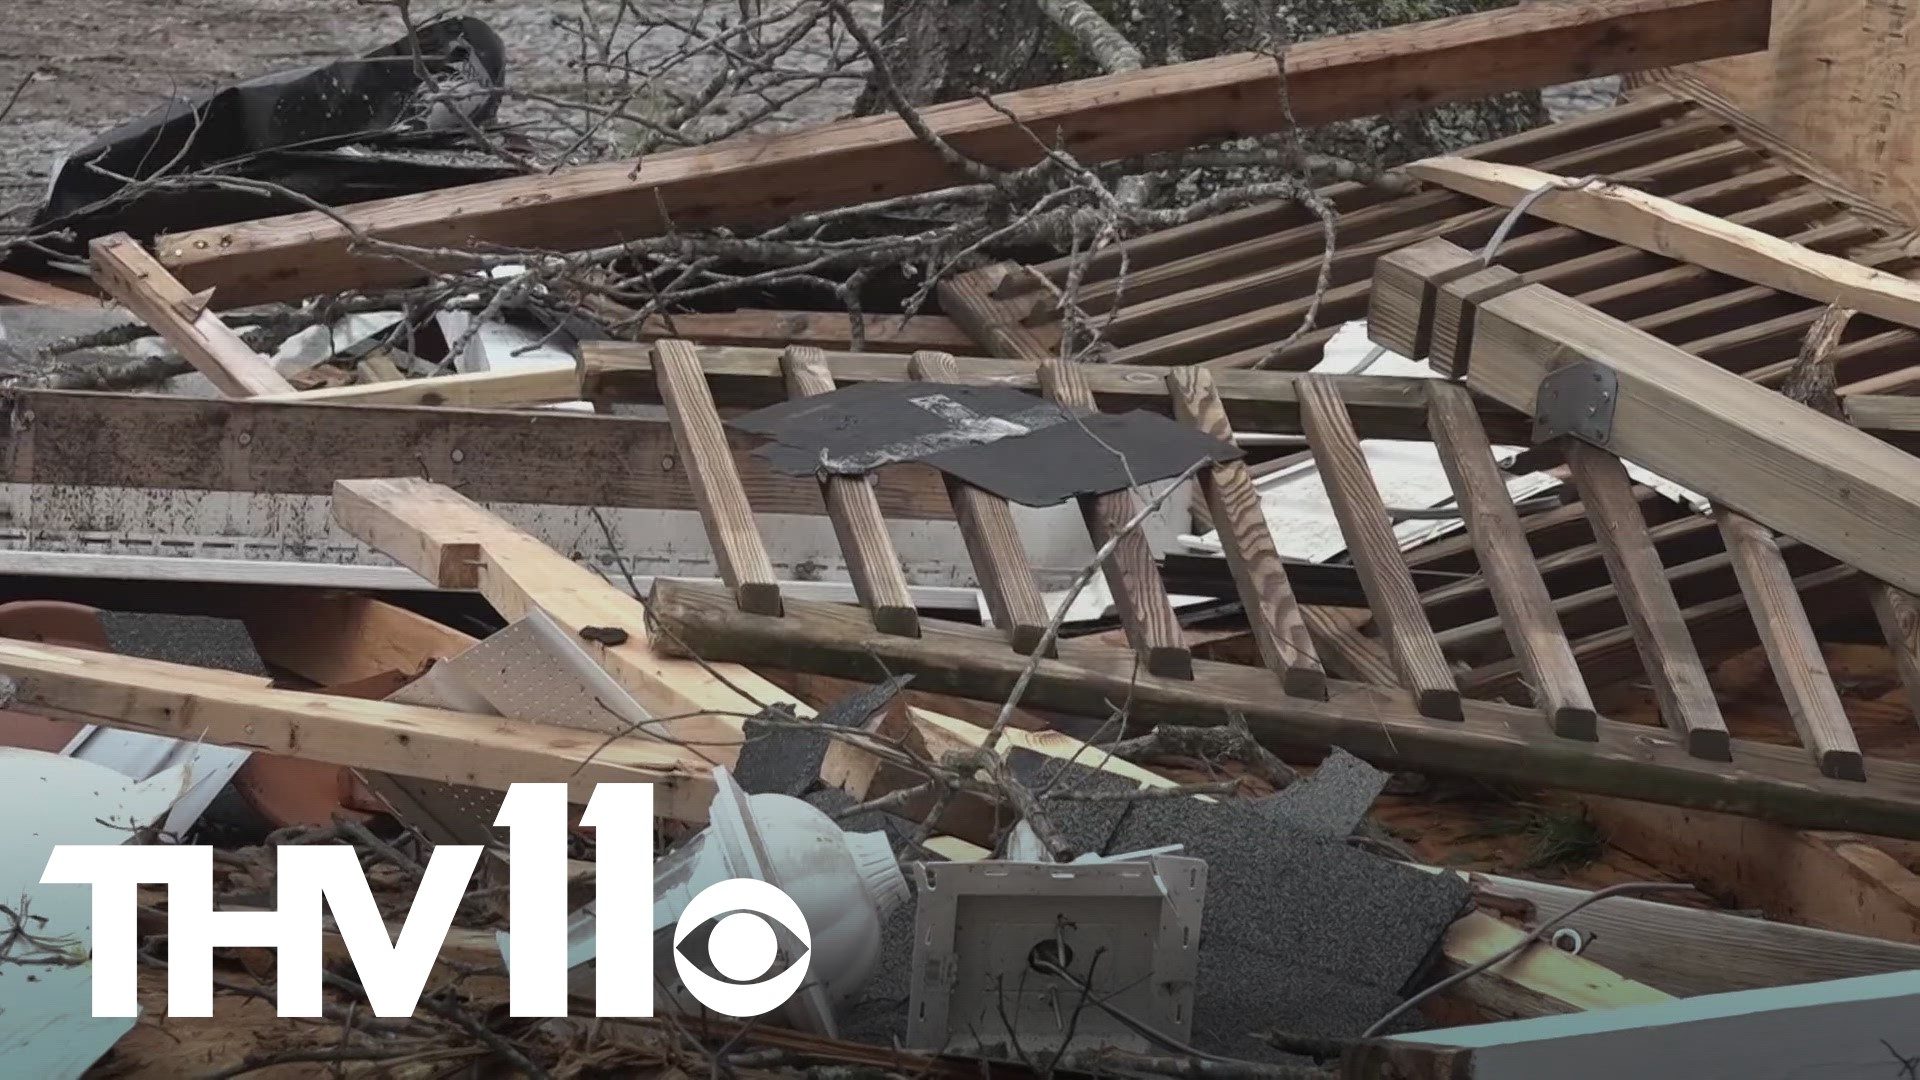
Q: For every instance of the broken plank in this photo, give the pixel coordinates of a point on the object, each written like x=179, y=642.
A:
x=987, y=527
x=1899, y=616
x=1279, y=629
x=1494, y=742
x=1667, y=228
x=1376, y=554
x=334, y=638
x=1382, y=407
x=819, y=329
x=1541, y=980
x=1139, y=594
x=431, y=744
x=765, y=178
x=1507, y=564
x=1667, y=654
x=87, y=439
x=475, y=390
x=872, y=563
x=1792, y=648
x=141, y=285
x=25, y=290
x=1744, y=446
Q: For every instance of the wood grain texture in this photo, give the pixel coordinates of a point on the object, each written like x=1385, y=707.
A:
x=86, y=439
x=1376, y=554
x=1792, y=648
x=1899, y=616
x=141, y=285
x=335, y=638
x=1506, y=561
x=1000, y=564
x=1639, y=579
x=1451, y=346
x=1138, y=593
x=767, y=178
x=1000, y=327
x=1744, y=446
x=1496, y=742
x=1273, y=615
x=431, y=744
x=1400, y=313
x=737, y=549
x=25, y=290
x=1679, y=232
x=872, y=563
x=474, y=390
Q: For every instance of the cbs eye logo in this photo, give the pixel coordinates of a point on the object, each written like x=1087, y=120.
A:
x=741, y=947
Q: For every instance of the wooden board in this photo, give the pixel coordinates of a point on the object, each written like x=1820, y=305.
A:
x=1498, y=743
x=25, y=290
x=430, y=744
x=768, y=178
x=131, y=276
x=66, y=437
x=819, y=329
x=1680, y=232
x=474, y=390
x=1811, y=477
x=1835, y=86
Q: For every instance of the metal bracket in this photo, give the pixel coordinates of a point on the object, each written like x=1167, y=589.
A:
x=1576, y=400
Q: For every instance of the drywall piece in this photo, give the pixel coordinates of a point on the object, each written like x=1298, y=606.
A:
x=222, y=644
x=47, y=1026
x=1850, y=1029
x=991, y=937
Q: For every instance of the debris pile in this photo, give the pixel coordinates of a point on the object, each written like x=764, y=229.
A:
x=1327, y=627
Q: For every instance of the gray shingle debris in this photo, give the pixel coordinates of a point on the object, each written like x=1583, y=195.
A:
x=780, y=759
x=1333, y=801
x=197, y=640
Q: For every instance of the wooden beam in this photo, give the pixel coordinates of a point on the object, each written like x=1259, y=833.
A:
x=25, y=290
x=1376, y=554
x=756, y=179
x=1742, y=445
x=1639, y=578
x=737, y=548
x=161, y=441
x=431, y=744
x=1495, y=742
x=872, y=563
x=986, y=523
x=474, y=390
x=334, y=638
x=819, y=329
x=1898, y=613
x=131, y=276
x=1139, y=594
x=1679, y=232
x=1273, y=615
x=1382, y=407
x=1506, y=562
x=1400, y=309
x=1541, y=980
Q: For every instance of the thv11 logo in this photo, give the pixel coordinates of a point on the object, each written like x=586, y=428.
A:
x=394, y=970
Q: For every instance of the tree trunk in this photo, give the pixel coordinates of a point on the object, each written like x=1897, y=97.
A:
x=942, y=50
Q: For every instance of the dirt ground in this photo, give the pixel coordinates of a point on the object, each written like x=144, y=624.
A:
x=97, y=63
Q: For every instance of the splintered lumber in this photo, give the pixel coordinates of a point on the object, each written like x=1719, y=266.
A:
x=756, y=179
x=141, y=285
x=1792, y=648
x=1273, y=615
x=1506, y=562
x=820, y=329
x=474, y=390
x=872, y=563
x=1139, y=594
x=993, y=542
x=1495, y=742
x=1382, y=406
x=1668, y=228
x=1742, y=445
x=1376, y=554
x=196, y=704
x=737, y=548
x=1541, y=980
x=1667, y=654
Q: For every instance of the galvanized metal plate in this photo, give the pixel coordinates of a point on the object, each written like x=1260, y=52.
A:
x=1576, y=400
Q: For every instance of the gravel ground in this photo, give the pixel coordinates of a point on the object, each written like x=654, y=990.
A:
x=96, y=63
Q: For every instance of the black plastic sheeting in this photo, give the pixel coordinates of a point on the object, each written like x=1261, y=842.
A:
x=287, y=127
